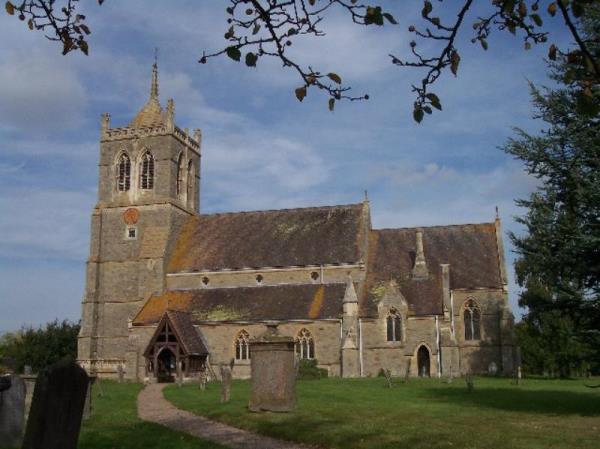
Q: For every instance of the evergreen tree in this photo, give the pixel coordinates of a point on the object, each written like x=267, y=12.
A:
x=559, y=254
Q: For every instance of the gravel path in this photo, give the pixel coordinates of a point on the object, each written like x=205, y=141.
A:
x=152, y=406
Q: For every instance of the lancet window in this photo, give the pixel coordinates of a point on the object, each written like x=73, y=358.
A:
x=123, y=173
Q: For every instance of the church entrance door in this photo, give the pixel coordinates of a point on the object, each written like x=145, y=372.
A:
x=166, y=366
x=423, y=361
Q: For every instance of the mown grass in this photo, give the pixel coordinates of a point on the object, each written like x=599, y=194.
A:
x=423, y=413
x=114, y=424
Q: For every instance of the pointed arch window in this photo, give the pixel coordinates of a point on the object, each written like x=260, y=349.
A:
x=394, y=326
x=147, y=171
x=180, y=174
x=123, y=173
x=472, y=316
x=242, y=347
x=305, y=345
x=190, y=184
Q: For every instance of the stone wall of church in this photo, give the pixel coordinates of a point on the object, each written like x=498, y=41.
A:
x=247, y=278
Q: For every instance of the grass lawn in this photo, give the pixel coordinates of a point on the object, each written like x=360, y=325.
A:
x=423, y=413
x=114, y=424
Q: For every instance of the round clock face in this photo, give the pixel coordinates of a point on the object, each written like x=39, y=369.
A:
x=131, y=216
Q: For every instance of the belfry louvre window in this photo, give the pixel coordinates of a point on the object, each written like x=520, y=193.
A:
x=147, y=171
x=305, y=345
x=242, y=348
x=472, y=321
x=123, y=173
x=180, y=174
x=394, y=326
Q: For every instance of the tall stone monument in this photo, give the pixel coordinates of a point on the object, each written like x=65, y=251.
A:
x=57, y=407
x=273, y=372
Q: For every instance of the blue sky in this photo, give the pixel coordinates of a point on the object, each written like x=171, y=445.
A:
x=262, y=149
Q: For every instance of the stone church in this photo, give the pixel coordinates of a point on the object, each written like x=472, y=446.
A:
x=173, y=292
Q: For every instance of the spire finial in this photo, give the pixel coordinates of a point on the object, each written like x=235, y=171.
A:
x=154, y=86
x=497, y=213
x=366, y=195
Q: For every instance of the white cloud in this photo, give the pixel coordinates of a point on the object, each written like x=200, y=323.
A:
x=39, y=92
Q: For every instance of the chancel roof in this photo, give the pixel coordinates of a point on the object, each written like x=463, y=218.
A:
x=471, y=250
x=275, y=238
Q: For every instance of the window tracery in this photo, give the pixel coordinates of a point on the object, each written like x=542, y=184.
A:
x=123, y=173
x=394, y=326
x=242, y=347
x=305, y=344
x=472, y=317
x=147, y=171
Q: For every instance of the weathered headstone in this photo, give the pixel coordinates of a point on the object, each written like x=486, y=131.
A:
x=272, y=362
x=492, y=369
x=27, y=370
x=388, y=376
x=407, y=372
x=470, y=382
x=226, y=374
x=120, y=373
x=12, y=410
x=519, y=375
x=57, y=407
x=87, y=408
x=202, y=379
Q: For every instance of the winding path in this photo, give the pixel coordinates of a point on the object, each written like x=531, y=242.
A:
x=153, y=407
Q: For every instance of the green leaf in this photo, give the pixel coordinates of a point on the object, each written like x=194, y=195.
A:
x=427, y=109
x=300, y=93
x=435, y=101
x=85, y=29
x=251, y=59
x=83, y=46
x=483, y=43
x=454, y=62
x=256, y=28
x=331, y=104
x=390, y=18
x=10, y=8
x=334, y=77
x=234, y=53
x=418, y=114
x=537, y=19
x=427, y=8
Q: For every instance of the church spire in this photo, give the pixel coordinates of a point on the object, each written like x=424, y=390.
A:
x=154, y=86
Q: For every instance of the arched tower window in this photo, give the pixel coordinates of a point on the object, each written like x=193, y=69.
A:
x=242, y=348
x=147, y=171
x=472, y=316
x=190, y=184
x=394, y=326
x=180, y=174
x=305, y=345
x=123, y=173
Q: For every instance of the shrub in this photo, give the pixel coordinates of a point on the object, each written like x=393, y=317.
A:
x=308, y=369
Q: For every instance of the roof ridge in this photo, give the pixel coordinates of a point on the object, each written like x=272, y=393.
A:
x=434, y=226
x=281, y=210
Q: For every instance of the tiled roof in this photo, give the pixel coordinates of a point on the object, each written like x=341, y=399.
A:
x=288, y=237
x=471, y=250
x=150, y=115
x=280, y=302
x=191, y=339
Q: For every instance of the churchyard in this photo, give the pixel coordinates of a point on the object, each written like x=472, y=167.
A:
x=422, y=413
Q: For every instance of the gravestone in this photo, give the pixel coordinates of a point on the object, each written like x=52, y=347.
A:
x=470, y=382
x=57, y=407
x=272, y=362
x=12, y=410
x=87, y=408
x=492, y=369
x=226, y=374
x=120, y=373
x=27, y=370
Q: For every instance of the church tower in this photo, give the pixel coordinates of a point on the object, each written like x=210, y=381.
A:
x=149, y=183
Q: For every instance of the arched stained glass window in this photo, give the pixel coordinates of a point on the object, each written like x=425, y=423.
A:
x=147, y=171
x=123, y=173
x=305, y=345
x=242, y=348
x=472, y=317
